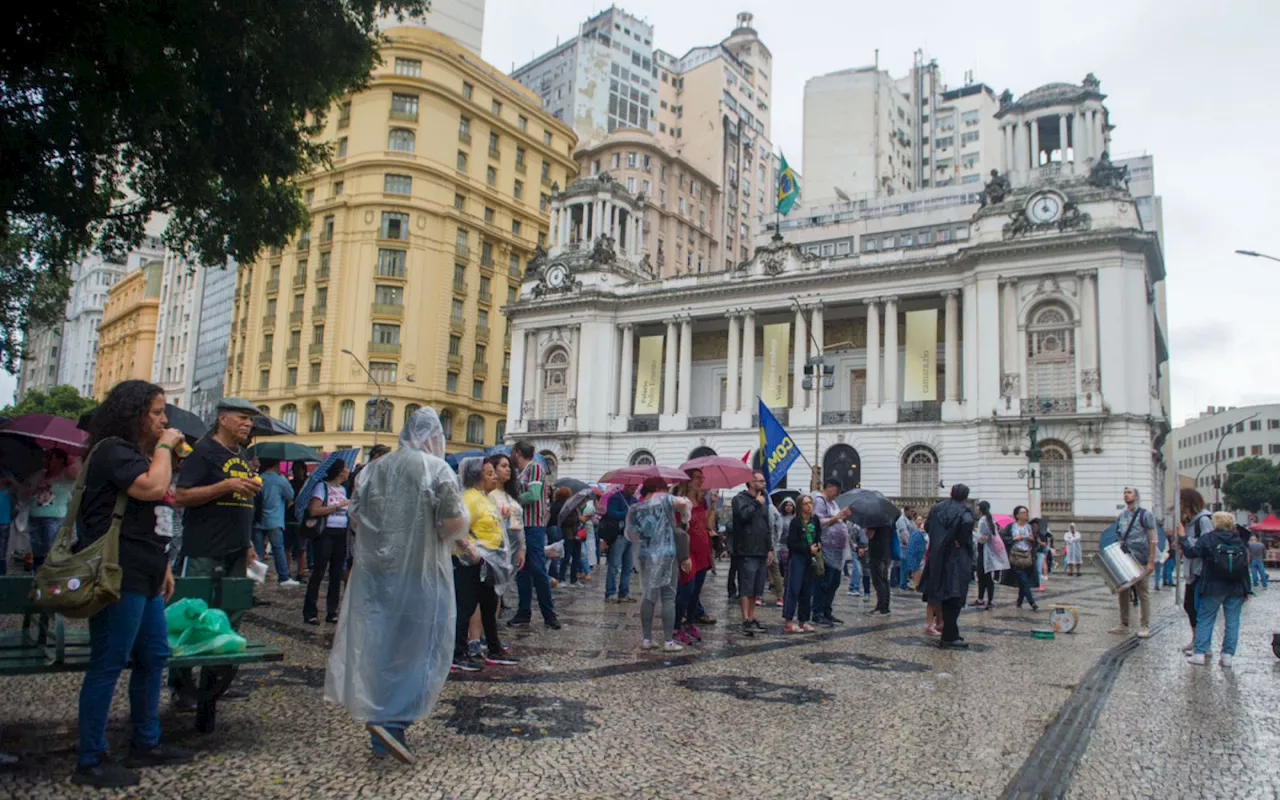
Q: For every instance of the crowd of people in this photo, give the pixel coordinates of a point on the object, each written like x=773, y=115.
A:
x=427, y=554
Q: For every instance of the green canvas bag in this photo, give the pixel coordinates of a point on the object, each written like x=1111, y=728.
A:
x=80, y=584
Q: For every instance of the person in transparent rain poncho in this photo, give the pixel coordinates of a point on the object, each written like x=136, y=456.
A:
x=394, y=642
x=482, y=566
x=662, y=543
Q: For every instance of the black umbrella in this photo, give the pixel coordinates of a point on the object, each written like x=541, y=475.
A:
x=574, y=484
x=22, y=457
x=189, y=424
x=778, y=495
x=871, y=509
x=267, y=426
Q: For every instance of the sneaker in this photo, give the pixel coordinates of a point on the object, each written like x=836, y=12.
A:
x=683, y=638
x=834, y=620
x=852, y=593
x=612, y=601
x=759, y=602
x=162, y=755
x=672, y=647
x=778, y=604
x=694, y=633
x=107, y=775
x=1196, y=659
x=1189, y=647
x=866, y=598
x=747, y=628
x=501, y=660
x=755, y=623
x=1035, y=607
x=518, y=620
x=464, y=665
x=392, y=742
x=627, y=600
x=1224, y=660
x=553, y=623
x=1144, y=633
x=958, y=644
x=791, y=627
x=474, y=648
x=824, y=622
x=647, y=644
x=931, y=631
x=1120, y=630
x=289, y=584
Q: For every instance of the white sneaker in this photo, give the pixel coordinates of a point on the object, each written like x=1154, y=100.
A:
x=673, y=647
x=1224, y=660
x=289, y=584
x=1189, y=647
x=1197, y=659
x=1144, y=633
x=647, y=644
x=1120, y=630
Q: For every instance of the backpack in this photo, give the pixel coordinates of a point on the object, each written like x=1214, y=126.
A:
x=1230, y=560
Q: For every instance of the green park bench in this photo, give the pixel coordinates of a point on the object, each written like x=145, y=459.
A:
x=44, y=645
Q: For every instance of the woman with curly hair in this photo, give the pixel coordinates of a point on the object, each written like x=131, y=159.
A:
x=132, y=455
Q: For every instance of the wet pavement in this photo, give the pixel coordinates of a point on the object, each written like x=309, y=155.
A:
x=868, y=709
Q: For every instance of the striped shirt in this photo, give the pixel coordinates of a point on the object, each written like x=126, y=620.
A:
x=535, y=511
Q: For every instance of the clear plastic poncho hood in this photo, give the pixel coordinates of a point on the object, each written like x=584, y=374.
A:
x=394, y=642
x=651, y=527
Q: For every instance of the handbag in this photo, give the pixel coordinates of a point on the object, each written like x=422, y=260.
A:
x=1021, y=559
x=78, y=584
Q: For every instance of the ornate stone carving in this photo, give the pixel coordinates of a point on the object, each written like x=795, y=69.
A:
x=1072, y=219
x=996, y=190
x=1106, y=175
x=573, y=407
x=773, y=262
x=1010, y=435
x=603, y=252
x=1010, y=384
x=534, y=268
x=1090, y=381
x=1006, y=99
x=1090, y=436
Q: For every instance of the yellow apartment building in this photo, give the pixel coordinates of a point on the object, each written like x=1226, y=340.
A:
x=439, y=193
x=127, y=333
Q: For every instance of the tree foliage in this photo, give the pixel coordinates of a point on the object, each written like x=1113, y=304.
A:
x=203, y=110
x=60, y=401
x=1250, y=483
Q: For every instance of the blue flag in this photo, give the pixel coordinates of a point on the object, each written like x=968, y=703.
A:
x=777, y=450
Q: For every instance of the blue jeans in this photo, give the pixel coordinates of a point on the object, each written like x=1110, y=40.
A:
x=799, y=590
x=42, y=531
x=1207, y=615
x=619, y=565
x=276, y=537
x=1256, y=568
x=855, y=576
x=1168, y=571
x=132, y=628
x=534, y=576
x=1024, y=577
x=4, y=549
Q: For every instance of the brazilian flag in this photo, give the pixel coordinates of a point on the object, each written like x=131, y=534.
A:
x=788, y=188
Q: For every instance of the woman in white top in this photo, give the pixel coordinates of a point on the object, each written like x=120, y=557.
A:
x=1073, y=555
x=329, y=506
x=1024, y=541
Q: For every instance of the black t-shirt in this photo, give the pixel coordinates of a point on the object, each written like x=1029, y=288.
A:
x=222, y=526
x=143, y=544
x=880, y=547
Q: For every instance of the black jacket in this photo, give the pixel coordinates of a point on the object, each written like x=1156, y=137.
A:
x=797, y=543
x=948, y=566
x=752, y=535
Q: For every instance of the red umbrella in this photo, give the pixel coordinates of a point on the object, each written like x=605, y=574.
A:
x=50, y=433
x=719, y=472
x=637, y=475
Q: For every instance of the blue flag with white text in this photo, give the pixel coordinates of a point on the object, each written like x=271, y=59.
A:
x=778, y=450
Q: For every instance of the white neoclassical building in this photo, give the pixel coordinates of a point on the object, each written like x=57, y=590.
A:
x=949, y=323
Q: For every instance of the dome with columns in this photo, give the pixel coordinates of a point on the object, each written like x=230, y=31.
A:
x=1055, y=94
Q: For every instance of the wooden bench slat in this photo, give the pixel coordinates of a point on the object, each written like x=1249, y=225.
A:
x=32, y=661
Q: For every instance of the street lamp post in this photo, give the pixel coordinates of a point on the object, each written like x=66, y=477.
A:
x=377, y=400
x=1217, y=455
x=1256, y=254
x=1032, y=472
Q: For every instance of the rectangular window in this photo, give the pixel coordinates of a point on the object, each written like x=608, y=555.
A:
x=1273, y=449
x=395, y=225
x=488, y=215
x=342, y=150
x=969, y=138
x=317, y=334
x=493, y=144
x=1255, y=425
x=546, y=138
x=464, y=129
x=322, y=298
x=388, y=295
x=491, y=176
x=467, y=90
x=451, y=382
x=544, y=202
x=456, y=310
x=404, y=106
x=477, y=390
x=462, y=161
x=520, y=151
x=516, y=225
x=291, y=378
x=391, y=263
x=459, y=275
x=482, y=319
x=264, y=379
x=410, y=67
x=459, y=202
x=455, y=345
x=495, y=108
x=383, y=372
x=397, y=184
x=517, y=191
x=344, y=115
x=482, y=353
x=460, y=242
x=1255, y=450
x=386, y=334
x=314, y=376
x=522, y=122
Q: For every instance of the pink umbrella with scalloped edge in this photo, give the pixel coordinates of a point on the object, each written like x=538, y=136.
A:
x=50, y=432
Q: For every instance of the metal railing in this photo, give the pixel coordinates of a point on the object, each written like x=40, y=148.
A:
x=273, y=285
x=928, y=411
x=544, y=425
x=315, y=349
x=384, y=348
x=1052, y=405
x=643, y=423
x=291, y=354
x=482, y=335
x=319, y=311
x=388, y=310
x=295, y=317
x=704, y=423
x=842, y=417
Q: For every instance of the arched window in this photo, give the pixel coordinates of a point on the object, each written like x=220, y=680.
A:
x=400, y=140
x=555, y=394
x=289, y=415
x=642, y=458
x=919, y=472
x=410, y=410
x=1051, y=360
x=347, y=415
x=501, y=433
x=446, y=422
x=317, y=418
x=1057, y=478
x=475, y=429
x=553, y=464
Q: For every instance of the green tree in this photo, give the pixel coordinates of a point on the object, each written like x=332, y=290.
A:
x=61, y=401
x=1250, y=483
x=203, y=110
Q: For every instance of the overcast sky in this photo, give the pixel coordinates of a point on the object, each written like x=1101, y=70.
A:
x=1189, y=83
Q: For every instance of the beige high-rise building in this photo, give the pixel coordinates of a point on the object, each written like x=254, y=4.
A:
x=438, y=194
x=127, y=335
x=714, y=112
x=682, y=205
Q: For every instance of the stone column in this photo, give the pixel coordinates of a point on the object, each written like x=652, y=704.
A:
x=817, y=330
x=873, y=352
x=686, y=365
x=1078, y=150
x=799, y=399
x=1035, y=143
x=626, y=387
x=749, y=361
x=575, y=348
x=1087, y=345
x=951, y=346
x=1062, y=138
x=669, y=374
x=731, y=403
x=891, y=350
x=518, y=380
x=532, y=390
x=1006, y=148
x=1021, y=160
x=1099, y=133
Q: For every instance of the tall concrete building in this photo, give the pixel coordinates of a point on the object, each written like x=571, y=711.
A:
x=867, y=134
x=460, y=20
x=127, y=336
x=194, y=319
x=439, y=192
x=42, y=354
x=212, y=340
x=602, y=79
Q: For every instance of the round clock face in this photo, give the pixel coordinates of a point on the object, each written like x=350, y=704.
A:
x=556, y=276
x=1044, y=208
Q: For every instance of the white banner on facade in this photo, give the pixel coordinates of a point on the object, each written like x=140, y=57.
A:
x=921, y=379
x=649, y=375
x=773, y=384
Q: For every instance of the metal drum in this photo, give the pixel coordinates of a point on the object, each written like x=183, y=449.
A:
x=1118, y=568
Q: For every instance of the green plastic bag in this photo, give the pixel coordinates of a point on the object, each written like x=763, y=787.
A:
x=210, y=633
x=222, y=644
x=183, y=614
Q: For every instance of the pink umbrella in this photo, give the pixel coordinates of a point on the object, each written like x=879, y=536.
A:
x=50, y=433
x=638, y=474
x=1002, y=520
x=719, y=472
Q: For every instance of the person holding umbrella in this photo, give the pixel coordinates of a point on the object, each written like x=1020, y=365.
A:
x=662, y=549
x=835, y=538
